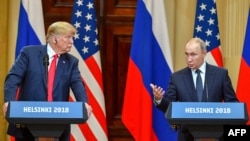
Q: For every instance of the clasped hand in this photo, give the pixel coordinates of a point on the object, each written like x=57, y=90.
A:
x=88, y=108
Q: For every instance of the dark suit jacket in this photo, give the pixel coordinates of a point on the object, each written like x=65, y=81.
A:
x=218, y=88
x=28, y=72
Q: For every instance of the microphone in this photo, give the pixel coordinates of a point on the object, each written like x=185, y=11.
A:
x=46, y=60
x=46, y=64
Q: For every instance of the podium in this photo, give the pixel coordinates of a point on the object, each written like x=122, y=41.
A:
x=206, y=119
x=46, y=119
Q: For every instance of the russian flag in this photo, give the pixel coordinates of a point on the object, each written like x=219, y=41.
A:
x=30, y=24
x=243, y=88
x=150, y=62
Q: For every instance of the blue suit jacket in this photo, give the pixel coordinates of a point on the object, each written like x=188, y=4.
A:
x=218, y=88
x=28, y=73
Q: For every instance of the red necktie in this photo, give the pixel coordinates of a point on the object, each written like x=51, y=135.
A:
x=51, y=77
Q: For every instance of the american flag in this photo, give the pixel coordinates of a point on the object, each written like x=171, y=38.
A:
x=87, y=51
x=206, y=27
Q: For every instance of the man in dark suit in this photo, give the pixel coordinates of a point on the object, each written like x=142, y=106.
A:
x=217, y=86
x=29, y=74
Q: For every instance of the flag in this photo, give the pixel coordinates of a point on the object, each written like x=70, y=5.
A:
x=150, y=61
x=243, y=89
x=30, y=27
x=206, y=27
x=86, y=49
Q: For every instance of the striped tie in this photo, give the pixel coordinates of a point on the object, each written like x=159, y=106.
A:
x=199, y=87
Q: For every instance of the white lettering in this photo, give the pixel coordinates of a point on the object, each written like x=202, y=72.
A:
x=231, y=132
x=199, y=110
x=236, y=132
x=243, y=131
x=37, y=109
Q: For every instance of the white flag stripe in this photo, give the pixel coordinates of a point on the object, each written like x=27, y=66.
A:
x=160, y=29
x=35, y=5
x=72, y=95
x=97, y=57
x=92, y=122
x=87, y=75
x=86, y=49
x=96, y=128
x=93, y=125
x=209, y=58
x=76, y=133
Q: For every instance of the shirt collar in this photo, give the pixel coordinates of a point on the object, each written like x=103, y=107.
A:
x=202, y=68
x=50, y=51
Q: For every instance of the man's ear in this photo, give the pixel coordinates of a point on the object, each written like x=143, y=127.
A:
x=55, y=41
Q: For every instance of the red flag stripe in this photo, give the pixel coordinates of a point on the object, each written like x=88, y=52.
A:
x=95, y=69
x=243, y=85
x=216, y=53
x=87, y=131
x=140, y=125
x=97, y=121
x=97, y=111
x=97, y=114
x=92, y=83
x=72, y=138
x=86, y=49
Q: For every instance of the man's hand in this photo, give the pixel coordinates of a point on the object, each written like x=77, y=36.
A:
x=5, y=107
x=88, y=108
x=157, y=91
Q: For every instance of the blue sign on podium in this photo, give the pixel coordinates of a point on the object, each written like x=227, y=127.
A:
x=211, y=112
x=46, y=119
x=29, y=112
x=206, y=119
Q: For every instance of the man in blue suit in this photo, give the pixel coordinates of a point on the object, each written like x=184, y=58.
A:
x=217, y=86
x=29, y=73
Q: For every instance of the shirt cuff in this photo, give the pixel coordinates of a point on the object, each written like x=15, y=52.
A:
x=157, y=102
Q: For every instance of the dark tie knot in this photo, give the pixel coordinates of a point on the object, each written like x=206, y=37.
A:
x=198, y=71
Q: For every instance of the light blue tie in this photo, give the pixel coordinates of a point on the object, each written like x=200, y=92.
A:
x=199, y=87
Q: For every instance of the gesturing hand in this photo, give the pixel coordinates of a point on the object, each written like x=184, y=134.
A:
x=157, y=91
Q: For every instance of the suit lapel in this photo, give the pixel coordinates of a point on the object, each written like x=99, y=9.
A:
x=60, y=69
x=209, y=82
x=41, y=56
x=190, y=86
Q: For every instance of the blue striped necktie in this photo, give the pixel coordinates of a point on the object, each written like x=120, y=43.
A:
x=199, y=87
